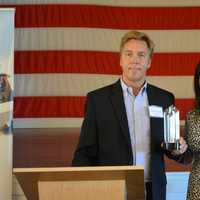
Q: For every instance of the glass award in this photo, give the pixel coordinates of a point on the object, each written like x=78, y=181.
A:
x=171, y=128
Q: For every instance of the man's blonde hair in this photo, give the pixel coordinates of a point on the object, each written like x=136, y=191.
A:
x=138, y=36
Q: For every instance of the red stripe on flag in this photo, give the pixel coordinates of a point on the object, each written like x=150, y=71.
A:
x=96, y=16
x=49, y=107
x=91, y=62
x=184, y=105
x=44, y=107
x=66, y=62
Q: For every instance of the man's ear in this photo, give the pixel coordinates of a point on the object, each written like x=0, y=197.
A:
x=120, y=59
x=149, y=63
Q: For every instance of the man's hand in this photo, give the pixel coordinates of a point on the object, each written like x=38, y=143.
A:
x=182, y=149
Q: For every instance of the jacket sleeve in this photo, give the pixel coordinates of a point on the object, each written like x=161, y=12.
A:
x=87, y=148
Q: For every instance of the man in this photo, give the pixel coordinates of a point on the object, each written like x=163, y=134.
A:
x=123, y=122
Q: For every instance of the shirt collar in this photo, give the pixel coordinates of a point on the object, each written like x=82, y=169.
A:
x=128, y=90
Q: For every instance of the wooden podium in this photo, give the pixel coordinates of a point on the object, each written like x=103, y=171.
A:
x=82, y=183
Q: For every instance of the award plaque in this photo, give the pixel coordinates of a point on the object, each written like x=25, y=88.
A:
x=171, y=128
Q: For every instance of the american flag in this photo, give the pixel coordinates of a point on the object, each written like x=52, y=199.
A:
x=64, y=49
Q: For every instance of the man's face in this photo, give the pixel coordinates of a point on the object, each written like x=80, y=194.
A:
x=135, y=61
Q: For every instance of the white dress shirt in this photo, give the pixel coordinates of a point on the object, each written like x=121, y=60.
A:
x=137, y=110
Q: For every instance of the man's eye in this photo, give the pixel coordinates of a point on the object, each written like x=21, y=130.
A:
x=142, y=55
x=128, y=54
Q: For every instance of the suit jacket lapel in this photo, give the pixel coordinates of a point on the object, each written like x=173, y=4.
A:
x=119, y=108
x=151, y=95
x=156, y=124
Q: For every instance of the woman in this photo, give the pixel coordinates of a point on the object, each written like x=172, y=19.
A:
x=193, y=140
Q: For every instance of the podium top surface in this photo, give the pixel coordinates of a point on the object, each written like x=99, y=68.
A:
x=78, y=169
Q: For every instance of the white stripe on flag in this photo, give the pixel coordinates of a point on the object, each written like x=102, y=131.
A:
x=101, y=39
x=81, y=84
x=52, y=122
x=47, y=122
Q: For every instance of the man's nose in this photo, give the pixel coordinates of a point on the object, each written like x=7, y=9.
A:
x=135, y=58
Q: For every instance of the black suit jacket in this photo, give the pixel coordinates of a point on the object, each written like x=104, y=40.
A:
x=105, y=139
